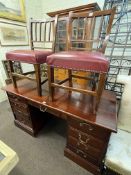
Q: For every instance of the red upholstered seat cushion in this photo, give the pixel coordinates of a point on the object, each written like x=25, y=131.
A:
x=28, y=56
x=79, y=60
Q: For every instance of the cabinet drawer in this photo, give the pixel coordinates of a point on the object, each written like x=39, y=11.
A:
x=83, y=155
x=53, y=112
x=16, y=98
x=89, y=128
x=86, y=138
x=16, y=105
x=84, y=147
x=23, y=118
x=57, y=113
x=17, y=111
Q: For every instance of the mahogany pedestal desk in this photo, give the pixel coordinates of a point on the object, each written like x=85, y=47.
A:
x=88, y=134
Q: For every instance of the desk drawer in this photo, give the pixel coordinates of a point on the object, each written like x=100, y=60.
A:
x=84, y=137
x=57, y=113
x=23, y=108
x=53, y=112
x=84, y=147
x=16, y=98
x=25, y=119
x=89, y=128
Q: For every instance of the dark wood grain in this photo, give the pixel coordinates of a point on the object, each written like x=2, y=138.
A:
x=74, y=104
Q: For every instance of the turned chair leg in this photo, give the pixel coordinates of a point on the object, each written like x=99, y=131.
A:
x=50, y=81
x=70, y=77
x=13, y=78
x=38, y=78
x=101, y=84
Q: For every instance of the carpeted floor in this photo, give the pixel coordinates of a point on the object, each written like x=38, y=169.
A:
x=43, y=155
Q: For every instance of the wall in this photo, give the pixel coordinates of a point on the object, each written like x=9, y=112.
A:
x=34, y=10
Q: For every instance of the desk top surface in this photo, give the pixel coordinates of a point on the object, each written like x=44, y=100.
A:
x=73, y=104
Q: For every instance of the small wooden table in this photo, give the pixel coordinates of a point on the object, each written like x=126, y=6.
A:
x=88, y=134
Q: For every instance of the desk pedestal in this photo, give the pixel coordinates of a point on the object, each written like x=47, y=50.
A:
x=86, y=144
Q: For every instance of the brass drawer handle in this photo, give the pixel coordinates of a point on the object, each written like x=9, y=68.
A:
x=82, y=141
x=86, y=146
x=22, y=106
x=80, y=151
x=43, y=110
x=16, y=99
x=86, y=124
x=21, y=112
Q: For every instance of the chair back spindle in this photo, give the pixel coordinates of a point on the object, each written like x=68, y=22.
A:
x=42, y=33
x=42, y=41
x=89, y=31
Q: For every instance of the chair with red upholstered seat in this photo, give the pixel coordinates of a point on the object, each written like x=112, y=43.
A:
x=88, y=34
x=43, y=38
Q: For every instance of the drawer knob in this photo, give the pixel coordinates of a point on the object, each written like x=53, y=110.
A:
x=86, y=124
x=43, y=110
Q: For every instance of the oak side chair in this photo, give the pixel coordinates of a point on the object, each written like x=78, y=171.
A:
x=42, y=40
x=88, y=34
